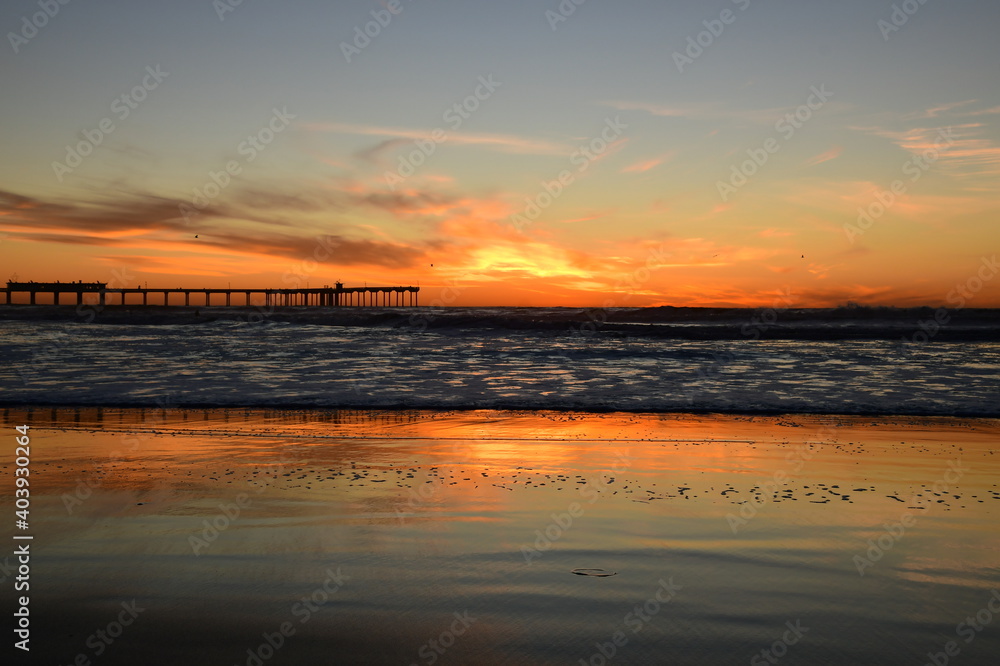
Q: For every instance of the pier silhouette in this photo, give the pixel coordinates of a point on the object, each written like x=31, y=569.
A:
x=326, y=296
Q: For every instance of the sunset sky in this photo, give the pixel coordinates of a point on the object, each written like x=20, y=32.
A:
x=604, y=157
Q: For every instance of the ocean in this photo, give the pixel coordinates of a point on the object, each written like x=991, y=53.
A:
x=507, y=358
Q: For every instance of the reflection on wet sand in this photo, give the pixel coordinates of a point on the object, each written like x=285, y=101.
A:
x=220, y=522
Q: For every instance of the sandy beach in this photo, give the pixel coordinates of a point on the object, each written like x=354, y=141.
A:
x=421, y=537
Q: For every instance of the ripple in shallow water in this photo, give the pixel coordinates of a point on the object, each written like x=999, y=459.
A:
x=58, y=363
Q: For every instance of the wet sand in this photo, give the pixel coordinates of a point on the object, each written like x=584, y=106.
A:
x=415, y=537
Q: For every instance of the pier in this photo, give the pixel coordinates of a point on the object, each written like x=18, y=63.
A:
x=326, y=296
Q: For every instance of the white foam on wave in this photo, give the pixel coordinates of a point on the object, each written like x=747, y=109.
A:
x=323, y=366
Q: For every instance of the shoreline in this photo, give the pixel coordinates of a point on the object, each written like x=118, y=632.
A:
x=492, y=409
x=166, y=414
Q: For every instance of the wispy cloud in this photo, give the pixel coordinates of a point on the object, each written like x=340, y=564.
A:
x=971, y=153
x=663, y=110
x=377, y=154
x=703, y=110
x=508, y=143
x=968, y=155
x=985, y=112
x=831, y=154
x=148, y=222
x=645, y=165
x=941, y=109
x=771, y=232
x=843, y=199
x=588, y=218
x=953, y=109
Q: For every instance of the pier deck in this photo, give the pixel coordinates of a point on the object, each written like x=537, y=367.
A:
x=326, y=296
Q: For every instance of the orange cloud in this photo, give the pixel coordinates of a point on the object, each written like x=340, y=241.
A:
x=587, y=218
x=503, y=142
x=959, y=149
x=771, y=232
x=831, y=154
x=643, y=166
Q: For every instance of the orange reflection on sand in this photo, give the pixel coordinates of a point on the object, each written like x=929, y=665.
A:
x=395, y=483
